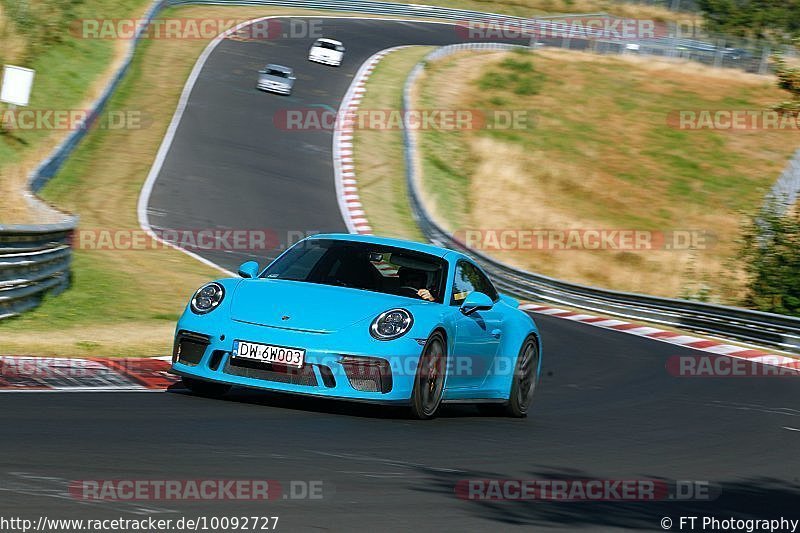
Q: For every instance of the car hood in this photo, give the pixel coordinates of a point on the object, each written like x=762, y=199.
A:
x=308, y=306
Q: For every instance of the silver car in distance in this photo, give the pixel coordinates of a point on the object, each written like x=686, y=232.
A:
x=276, y=79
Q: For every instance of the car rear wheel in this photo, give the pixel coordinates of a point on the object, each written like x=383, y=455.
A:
x=429, y=381
x=205, y=388
x=524, y=383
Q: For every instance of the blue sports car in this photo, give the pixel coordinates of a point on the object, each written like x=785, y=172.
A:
x=362, y=318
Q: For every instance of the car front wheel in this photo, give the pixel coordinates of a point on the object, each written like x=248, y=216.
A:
x=525, y=377
x=429, y=381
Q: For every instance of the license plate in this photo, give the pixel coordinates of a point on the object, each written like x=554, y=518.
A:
x=267, y=353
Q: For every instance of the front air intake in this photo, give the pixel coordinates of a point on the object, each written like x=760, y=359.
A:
x=271, y=372
x=189, y=348
x=368, y=374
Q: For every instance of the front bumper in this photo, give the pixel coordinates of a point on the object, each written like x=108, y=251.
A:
x=335, y=366
x=325, y=60
x=279, y=89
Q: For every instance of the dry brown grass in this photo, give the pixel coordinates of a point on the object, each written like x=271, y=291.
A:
x=591, y=165
x=93, y=341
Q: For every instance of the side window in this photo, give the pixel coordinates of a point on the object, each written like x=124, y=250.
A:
x=469, y=278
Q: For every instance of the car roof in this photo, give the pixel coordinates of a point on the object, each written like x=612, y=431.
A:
x=326, y=40
x=387, y=241
x=273, y=66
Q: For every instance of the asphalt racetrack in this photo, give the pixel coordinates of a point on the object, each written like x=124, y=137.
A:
x=606, y=408
x=232, y=166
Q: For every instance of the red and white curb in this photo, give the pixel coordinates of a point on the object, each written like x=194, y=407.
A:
x=96, y=374
x=344, y=167
x=680, y=339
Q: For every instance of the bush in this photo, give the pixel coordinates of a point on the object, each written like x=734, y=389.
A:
x=771, y=254
x=516, y=74
x=789, y=81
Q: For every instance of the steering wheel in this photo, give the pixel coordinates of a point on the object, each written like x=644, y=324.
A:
x=411, y=291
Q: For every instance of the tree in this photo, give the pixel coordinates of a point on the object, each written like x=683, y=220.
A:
x=771, y=254
x=788, y=80
x=774, y=20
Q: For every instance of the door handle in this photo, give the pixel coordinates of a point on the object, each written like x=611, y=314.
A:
x=496, y=333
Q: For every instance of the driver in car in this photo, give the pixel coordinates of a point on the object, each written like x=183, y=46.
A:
x=414, y=280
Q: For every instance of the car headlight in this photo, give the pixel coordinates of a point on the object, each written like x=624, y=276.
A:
x=391, y=324
x=207, y=298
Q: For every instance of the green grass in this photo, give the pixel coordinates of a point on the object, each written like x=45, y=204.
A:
x=65, y=72
x=87, y=301
x=94, y=278
x=379, y=154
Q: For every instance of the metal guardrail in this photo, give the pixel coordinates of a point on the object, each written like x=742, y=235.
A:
x=751, y=57
x=34, y=261
x=777, y=331
x=369, y=7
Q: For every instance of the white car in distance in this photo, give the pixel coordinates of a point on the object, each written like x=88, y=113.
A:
x=327, y=52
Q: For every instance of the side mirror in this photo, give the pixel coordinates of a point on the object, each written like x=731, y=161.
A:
x=249, y=269
x=476, y=301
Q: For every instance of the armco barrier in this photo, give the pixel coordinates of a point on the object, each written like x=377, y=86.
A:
x=34, y=261
x=767, y=329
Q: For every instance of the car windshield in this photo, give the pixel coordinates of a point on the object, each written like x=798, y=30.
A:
x=364, y=266
x=329, y=46
x=275, y=72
